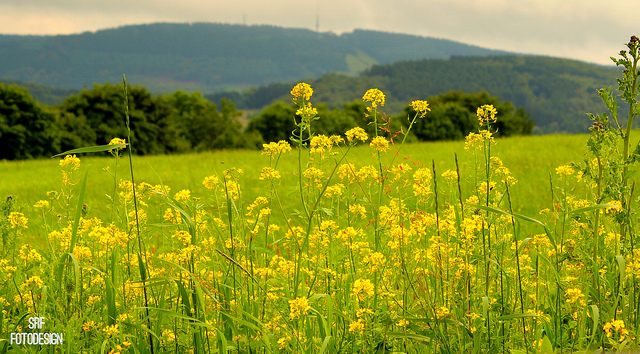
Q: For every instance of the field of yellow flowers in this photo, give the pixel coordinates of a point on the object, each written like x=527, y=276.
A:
x=336, y=255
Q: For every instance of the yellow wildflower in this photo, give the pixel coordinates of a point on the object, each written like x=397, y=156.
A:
x=298, y=307
x=33, y=283
x=89, y=326
x=422, y=182
x=574, y=295
x=486, y=114
x=362, y=288
x=112, y=330
x=450, y=175
x=210, y=182
x=42, y=204
x=356, y=326
x=70, y=160
x=307, y=111
x=334, y=190
x=564, y=170
x=274, y=148
x=28, y=254
x=116, y=141
x=421, y=107
x=302, y=90
x=356, y=133
x=183, y=195
x=269, y=173
x=379, y=143
x=375, y=96
x=616, y=326
x=615, y=209
x=82, y=252
x=442, y=311
x=17, y=220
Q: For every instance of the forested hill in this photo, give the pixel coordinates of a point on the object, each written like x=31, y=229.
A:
x=208, y=57
x=557, y=92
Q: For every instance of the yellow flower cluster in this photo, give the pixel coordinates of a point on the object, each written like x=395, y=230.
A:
x=574, y=295
x=617, y=208
x=82, y=252
x=210, y=182
x=28, y=254
x=41, y=204
x=476, y=139
x=302, y=90
x=375, y=96
x=334, y=190
x=183, y=195
x=356, y=133
x=421, y=107
x=269, y=173
x=117, y=141
x=486, y=114
x=70, y=161
x=362, y=288
x=272, y=149
x=321, y=143
x=298, y=307
x=422, y=182
x=17, y=220
x=33, y=283
x=307, y=111
x=442, y=312
x=616, y=326
x=111, y=331
x=565, y=170
x=379, y=143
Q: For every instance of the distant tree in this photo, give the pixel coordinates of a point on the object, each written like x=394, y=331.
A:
x=200, y=126
x=27, y=129
x=103, y=109
x=74, y=131
x=453, y=116
x=274, y=123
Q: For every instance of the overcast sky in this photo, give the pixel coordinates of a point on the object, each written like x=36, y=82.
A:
x=588, y=30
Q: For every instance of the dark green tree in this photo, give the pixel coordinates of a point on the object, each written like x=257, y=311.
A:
x=103, y=109
x=453, y=116
x=27, y=129
x=200, y=126
x=274, y=123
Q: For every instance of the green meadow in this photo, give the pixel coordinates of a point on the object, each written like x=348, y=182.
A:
x=530, y=158
x=351, y=243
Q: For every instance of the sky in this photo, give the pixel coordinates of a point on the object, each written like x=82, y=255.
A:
x=587, y=30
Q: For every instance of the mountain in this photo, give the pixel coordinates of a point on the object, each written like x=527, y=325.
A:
x=557, y=92
x=42, y=93
x=208, y=57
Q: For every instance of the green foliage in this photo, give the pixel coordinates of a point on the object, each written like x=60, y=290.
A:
x=453, y=116
x=102, y=108
x=275, y=122
x=556, y=92
x=26, y=127
x=208, y=57
x=198, y=124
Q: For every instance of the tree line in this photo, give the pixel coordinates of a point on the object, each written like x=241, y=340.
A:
x=183, y=122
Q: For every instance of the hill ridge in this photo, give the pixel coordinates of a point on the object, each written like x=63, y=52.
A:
x=206, y=57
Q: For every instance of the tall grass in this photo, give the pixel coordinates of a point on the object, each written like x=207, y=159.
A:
x=338, y=244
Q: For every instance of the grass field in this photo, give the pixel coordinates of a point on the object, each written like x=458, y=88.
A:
x=531, y=160
x=346, y=244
